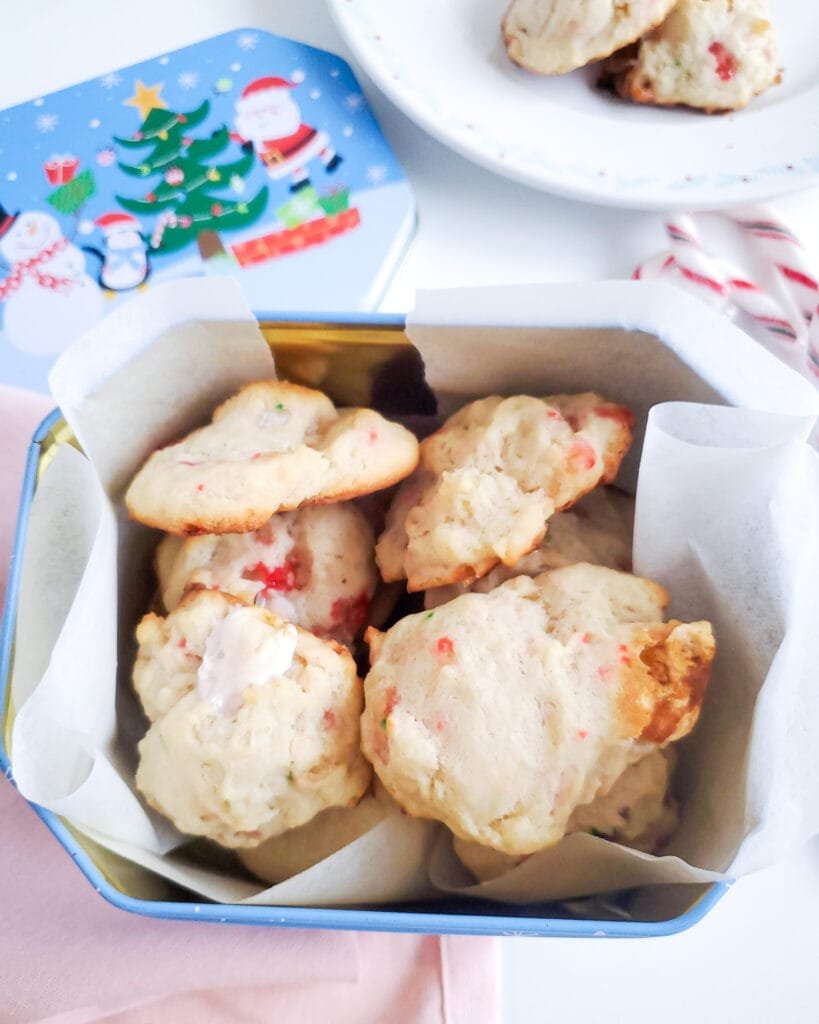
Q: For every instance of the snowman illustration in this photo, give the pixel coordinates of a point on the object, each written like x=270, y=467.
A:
x=124, y=261
x=269, y=120
x=47, y=298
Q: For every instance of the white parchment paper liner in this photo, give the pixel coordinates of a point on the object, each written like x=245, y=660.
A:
x=728, y=504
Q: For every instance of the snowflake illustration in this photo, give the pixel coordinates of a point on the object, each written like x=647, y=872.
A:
x=111, y=80
x=235, y=67
x=188, y=80
x=315, y=94
x=11, y=176
x=297, y=76
x=237, y=184
x=247, y=41
x=39, y=101
x=347, y=131
x=164, y=60
x=47, y=122
x=354, y=101
x=94, y=122
x=376, y=173
x=335, y=73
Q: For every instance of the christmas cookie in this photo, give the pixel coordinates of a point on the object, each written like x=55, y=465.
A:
x=597, y=529
x=712, y=54
x=271, y=448
x=255, y=722
x=313, y=567
x=500, y=714
x=638, y=811
x=489, y=480
x=552, y=37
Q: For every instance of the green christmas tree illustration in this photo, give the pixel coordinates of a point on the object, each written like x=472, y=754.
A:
x=190, y=196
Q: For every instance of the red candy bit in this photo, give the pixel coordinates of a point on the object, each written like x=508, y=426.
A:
x=257, y=455
x=391, y=701
x=200, y=487
x=581, y=455
x=182, y=644
x=553, y=414
x=445, y=647
x=727, y=64
x=380, y=743
x=604, y=672
x=586, y=638
x=619, y=413
x=280, y=577
x=329, y=719
x=439, y=725
x=625, y=657
x=372, y=437
x=582, y=734
x=188, y=462
x=350, y=612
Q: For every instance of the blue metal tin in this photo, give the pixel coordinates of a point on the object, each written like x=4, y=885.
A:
x=460, y=917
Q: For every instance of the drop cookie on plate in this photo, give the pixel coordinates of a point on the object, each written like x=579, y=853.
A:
x=271, y=448
x=313, y=567
x=491, y=477
x=598, y=529
x=712, y=54
x=552, y=37
x=638, y=811
x=500, y=714
x=254, y=721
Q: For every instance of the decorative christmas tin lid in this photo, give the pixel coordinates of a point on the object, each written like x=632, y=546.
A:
x=246, y=154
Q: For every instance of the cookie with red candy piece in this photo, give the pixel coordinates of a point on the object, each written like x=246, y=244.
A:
x=313, y=567
x=500, y=714
x=712, y=54
x=490, y=479
x=273, y=447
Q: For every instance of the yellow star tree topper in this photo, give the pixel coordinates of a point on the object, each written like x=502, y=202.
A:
x=146, y=98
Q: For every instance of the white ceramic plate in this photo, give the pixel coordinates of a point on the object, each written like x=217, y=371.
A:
x=443, y=63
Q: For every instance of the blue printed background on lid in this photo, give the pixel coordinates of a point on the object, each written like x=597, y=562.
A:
x=246, y=154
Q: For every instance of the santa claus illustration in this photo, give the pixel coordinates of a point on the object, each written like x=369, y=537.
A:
x=269, y=120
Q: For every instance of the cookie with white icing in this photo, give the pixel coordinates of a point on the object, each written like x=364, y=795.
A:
x=255, y=722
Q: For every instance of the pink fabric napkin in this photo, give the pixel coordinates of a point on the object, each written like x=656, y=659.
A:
x=69, y=957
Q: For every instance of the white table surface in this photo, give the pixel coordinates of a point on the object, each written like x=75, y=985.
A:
x=753, y=958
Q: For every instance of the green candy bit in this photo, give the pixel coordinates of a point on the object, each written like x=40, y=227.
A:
x=279, y=407
x=384, y=724
x=290, y=776
x=430, y=614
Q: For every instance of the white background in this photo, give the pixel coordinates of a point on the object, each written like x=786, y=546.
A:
x=754, y=957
